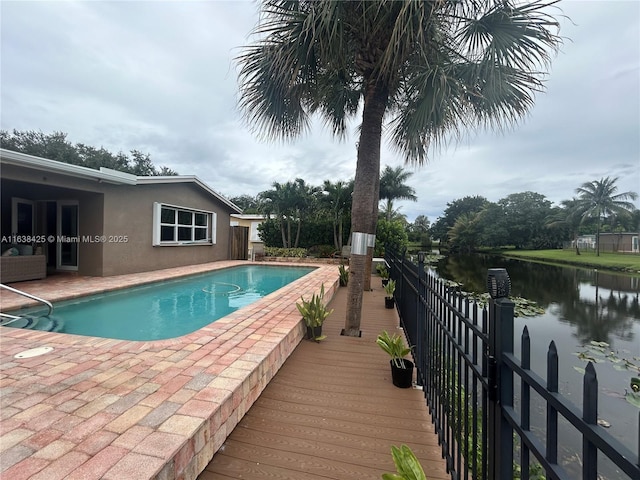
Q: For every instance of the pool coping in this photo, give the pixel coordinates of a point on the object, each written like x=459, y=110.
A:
x=102, y=408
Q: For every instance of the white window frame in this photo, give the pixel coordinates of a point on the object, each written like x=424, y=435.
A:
x=210, y=238
x=254, y=235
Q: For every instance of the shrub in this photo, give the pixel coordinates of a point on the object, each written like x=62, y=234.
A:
x=285, y=252
x=321, y=251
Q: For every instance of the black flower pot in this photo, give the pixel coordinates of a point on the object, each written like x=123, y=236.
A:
x=314, y=332
x=389, y=302
x=385, y=281
x=402, y=377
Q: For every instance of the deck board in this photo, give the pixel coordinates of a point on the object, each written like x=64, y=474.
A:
x=331, y=412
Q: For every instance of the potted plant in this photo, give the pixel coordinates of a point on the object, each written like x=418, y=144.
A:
x=407, y=465
x=383, y=272
x=344, y=275
x=401, y=368
x=314, y=312
x=389, y=289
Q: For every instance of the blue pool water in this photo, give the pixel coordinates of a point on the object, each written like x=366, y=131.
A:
x=166, y=309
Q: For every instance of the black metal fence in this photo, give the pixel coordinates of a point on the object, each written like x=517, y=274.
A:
x=466, y=365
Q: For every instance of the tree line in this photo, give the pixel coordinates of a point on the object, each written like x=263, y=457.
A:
x=55, y=146
x=302, y=215
x=527, y=220
x=298, y=214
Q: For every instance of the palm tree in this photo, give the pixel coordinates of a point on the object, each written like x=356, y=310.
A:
x=338, y=201
x=465, y=233
x=393, y=187
x=598, y=199
x=568, y=218
x=289, y=202
x=389, y=213
x=428, y=70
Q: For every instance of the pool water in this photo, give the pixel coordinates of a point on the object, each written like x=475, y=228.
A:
x=166, y=309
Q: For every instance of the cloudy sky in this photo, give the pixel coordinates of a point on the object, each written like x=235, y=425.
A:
x=159, y=77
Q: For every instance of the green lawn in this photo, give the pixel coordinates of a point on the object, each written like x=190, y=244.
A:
x=606, y=261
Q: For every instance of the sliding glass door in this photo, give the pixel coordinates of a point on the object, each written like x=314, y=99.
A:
x=68, y=235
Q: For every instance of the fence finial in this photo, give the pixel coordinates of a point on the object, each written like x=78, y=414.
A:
x=498, y=283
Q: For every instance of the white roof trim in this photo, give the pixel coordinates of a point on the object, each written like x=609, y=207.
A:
x=160, y=179
x=104, y=174
x=250, y=216
x=30, y=161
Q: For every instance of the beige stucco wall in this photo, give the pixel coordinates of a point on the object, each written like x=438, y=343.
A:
x=38, y=187
x=129, y=211
x=116, y=211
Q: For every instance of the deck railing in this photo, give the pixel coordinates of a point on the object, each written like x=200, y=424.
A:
x=470, y=375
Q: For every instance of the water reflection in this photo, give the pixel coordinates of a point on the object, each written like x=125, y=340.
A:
x=580, y=305
x=601, y=306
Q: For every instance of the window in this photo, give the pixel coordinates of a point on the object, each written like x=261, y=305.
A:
x=254, y=236
x=22, y=217
x=173, y=225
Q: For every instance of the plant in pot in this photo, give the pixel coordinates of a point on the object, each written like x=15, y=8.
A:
x=407, y=465
x=383, y=272
x=314, y=312
x=389, y=289
x=344, y=275
x=401, y=368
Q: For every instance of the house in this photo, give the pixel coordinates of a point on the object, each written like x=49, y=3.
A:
x=105, y=222
x=250, y=221
x=623, y=242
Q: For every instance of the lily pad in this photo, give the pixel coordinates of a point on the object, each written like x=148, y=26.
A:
x=633, y=398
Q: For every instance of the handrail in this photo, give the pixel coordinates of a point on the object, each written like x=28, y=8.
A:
x=28, y=295
x=12, y=318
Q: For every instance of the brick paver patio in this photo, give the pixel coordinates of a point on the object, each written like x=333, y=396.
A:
x=96, y=408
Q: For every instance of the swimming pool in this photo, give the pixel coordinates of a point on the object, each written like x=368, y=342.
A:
x=164, y=310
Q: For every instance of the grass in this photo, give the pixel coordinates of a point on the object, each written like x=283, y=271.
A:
x=607, y=261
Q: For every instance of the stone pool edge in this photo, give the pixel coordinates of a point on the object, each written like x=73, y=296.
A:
x=268, y=332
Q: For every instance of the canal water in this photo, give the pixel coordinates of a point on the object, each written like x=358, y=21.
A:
x=581, y=306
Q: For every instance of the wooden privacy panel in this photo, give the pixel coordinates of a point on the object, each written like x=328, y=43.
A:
x=239, y=243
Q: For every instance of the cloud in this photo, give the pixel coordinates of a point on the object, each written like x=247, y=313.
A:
x=159, y=77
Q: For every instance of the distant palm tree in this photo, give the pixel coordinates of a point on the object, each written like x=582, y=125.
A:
x=569, y=217
x=390, y=213
x=465, y=233
x=393, y=187
x=598, y=199
x=430, y=69
x=289, y=202
x=338, y=202
x=422, y=224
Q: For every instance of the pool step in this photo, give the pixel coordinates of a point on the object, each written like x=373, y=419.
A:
x=45, y=323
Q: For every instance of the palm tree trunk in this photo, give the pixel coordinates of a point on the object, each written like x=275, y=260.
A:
x=282, y=232
x=298, y=233
x=364, y=203
x=598, y=236
x=374, y=219
x=336, y=244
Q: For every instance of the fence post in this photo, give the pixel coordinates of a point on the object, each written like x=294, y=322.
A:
x=400, y=283
x=421, y=320
x=500, y=433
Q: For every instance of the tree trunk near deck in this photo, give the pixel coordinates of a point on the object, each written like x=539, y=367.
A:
x=365, y=197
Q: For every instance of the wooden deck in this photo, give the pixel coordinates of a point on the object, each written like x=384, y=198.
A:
x=331, y=412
